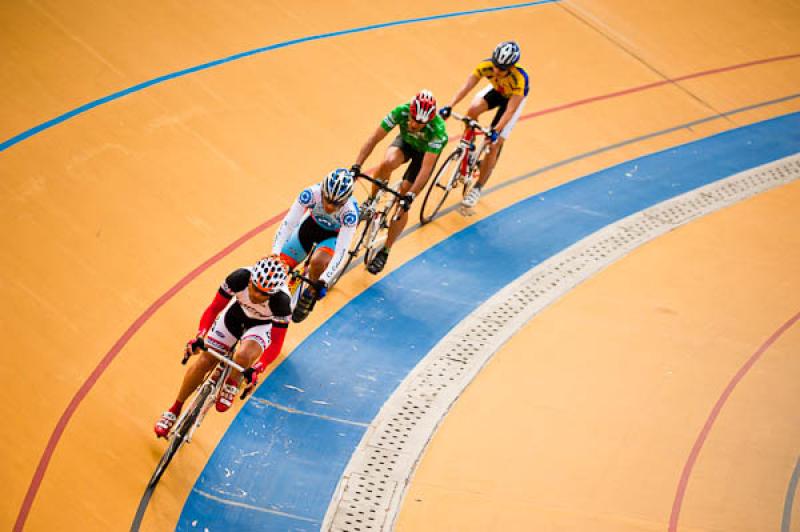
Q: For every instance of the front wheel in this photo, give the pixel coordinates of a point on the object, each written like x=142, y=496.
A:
x=439, y=187
x=182, y=432
x=374, y=237
x=377, y=229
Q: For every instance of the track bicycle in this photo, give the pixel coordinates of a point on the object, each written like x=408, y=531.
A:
x=460, y=168
x=372, y=229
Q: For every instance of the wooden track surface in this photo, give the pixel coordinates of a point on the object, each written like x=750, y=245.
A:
x=110, y=215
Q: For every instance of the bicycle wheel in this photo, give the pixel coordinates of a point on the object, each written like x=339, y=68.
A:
x=179, y=436
x=439, y=187
x=378, y=230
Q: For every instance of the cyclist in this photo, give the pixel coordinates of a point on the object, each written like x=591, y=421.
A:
x=252, y=306
x=421, y=139
x=507, y=92
x=324, y=214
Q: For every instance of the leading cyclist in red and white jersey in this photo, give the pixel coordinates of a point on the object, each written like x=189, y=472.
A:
x=252, y=307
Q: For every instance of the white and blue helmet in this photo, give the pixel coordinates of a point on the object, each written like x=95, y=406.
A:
x=337, y=187
x=505, y=55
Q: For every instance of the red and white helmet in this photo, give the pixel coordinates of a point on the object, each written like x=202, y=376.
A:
x=423, y=106
x=269, y=274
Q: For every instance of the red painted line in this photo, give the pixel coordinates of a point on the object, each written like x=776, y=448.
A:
x=655, y=84
x=109, y=357
x=36, y=481
x=701, y=438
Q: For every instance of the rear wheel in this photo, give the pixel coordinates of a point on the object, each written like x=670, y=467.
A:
x=439, y=187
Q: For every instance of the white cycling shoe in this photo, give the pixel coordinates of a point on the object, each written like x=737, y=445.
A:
x=226, y=397
x=472, y=197
x=165, y=423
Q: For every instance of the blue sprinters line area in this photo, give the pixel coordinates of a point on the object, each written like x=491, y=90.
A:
x=277, y=470
x=205, y=66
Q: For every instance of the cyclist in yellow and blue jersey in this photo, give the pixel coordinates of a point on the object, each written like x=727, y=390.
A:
x=507, y=91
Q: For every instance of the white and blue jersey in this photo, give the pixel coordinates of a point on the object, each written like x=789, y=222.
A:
x=308, y=223
x=311, y=199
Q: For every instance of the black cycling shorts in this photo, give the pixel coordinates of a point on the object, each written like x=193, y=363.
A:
x=495, y=99
x=409, y=153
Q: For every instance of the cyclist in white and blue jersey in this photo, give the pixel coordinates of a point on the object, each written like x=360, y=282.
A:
x=325, y=214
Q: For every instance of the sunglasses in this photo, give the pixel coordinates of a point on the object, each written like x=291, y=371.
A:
x=260, y=291
x=335, y=203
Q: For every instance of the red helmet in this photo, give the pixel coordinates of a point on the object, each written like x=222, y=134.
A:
x=423, y=106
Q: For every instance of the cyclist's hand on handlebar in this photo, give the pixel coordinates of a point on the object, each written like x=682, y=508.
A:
x=356, y=169
x=445, y=111
x=194, y=345
x=251, y=377
x=493, y=135
x=251, y=374
x=322, y=289
x=407, y=200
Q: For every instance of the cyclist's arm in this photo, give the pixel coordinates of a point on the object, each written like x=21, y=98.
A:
x=472, y=80
x=511, y=108
x=343, y=241
x=234, y=282
x=378, y=135
x=281, y=310
x=211, y=313
x=288, y=225
x=428, y=162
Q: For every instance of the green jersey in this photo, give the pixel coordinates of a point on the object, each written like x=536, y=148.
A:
x=431, y=138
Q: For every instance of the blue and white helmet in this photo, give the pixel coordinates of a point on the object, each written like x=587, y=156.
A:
x=337, y=187
x=505, y=55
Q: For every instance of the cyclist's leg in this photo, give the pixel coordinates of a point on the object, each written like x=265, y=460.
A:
x=479, y=104
x=252, y=344
x=489, y=162
x=394, y=157
x=325, y=240
x=494, y=100
x=219, y=338
x=397, y=226
x=294, y=251
x=322, y=256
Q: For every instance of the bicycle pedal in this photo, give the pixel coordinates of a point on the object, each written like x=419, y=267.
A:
x=466, y=211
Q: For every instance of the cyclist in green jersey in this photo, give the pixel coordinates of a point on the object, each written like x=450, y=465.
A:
x=422, y=138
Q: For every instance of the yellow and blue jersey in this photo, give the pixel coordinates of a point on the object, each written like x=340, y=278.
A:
x=516, y=82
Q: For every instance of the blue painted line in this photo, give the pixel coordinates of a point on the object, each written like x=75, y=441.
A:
x=205, y=66
x=598, y=151
x=351, y=364
x=786, y=522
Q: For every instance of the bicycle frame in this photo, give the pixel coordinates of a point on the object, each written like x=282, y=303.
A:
x=370, y=227
x=469, y=159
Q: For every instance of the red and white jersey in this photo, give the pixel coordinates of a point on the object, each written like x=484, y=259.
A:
x=276, y=309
